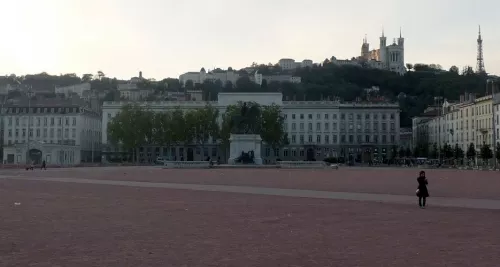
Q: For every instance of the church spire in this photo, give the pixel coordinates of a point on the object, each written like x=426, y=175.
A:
x=400, y=35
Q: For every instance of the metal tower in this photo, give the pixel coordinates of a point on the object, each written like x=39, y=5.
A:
x=480, y=59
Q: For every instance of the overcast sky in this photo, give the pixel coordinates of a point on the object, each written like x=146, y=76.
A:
x=164, y=38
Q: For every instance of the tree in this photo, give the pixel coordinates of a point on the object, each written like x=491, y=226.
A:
x=163, y=129
x=126, y=128
x=100, y=74
x=272, y=129
x=471, y=152
x=497, y=152
x=454, y=69
x=87, y=77
x=458, y=153
x=408, y=153
x=409, y=66
x=402, y=152
x=204, y=124
x=486, y=153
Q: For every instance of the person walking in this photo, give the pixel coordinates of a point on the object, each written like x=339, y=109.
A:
x=422, y=192
x=44, y=166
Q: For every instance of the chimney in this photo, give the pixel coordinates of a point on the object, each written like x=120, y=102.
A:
x=140, y=74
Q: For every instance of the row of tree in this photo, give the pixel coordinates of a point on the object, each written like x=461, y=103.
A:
x=449, y=152
x=135, y=126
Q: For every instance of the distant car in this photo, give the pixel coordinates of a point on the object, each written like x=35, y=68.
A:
x=159, y=160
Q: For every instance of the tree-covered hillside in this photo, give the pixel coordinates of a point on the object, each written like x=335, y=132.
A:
x=414, y=91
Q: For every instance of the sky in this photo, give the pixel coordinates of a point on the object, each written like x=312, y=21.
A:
x=165, y=38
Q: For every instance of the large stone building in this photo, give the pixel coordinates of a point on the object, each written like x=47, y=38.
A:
x=316, y=129
x=58, y=131
x=468, y=121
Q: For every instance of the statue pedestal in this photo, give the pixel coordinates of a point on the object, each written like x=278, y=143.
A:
x=244, y=143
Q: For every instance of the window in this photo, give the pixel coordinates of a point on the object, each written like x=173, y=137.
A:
x=334, y=139
x=393, y=138
x=51, y=121
x=310, y=138
x=375, y=116
x=367, y=138
x=375, y=139
x=38, y=121
x=301, y=126
x=285, y=152
x=10, y=121
x=351, y=116
x=67, y=121
x=318, y=116
x=318, y=139
x=393, y=126
x=384, y=117
x=327, y=127
x=293, y=126
x=293, y=116
x=384, y=139
x=51, y=133
x=285, y=116
x=17, y=132
x=367, y=116
x=59, y=133
x=327, y=139
x=342, y=116
x=384, y=126
x=214, y=152
x=293, y=139
x=59, y=121
x=334, y=116
x=294, y=153
x=73, y=133
x=74, y=121
x=45, y=132
x=310, y=126
x=301, y=153
x=359, y=139
x=334, y=126
x=351, y=139
x=301, y=139
x=367, y=125
x=37, y=132
x=392, y=116
x=318, y=126
x=17, y=121
x=10, y=133
x=359, y=126
x=358, y=117
x=342, y=138
x=326, y=116
x=301, y=116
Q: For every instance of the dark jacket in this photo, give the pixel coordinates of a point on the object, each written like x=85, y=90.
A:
x=422, y=187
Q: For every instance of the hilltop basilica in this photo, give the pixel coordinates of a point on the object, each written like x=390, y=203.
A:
x=388, y=57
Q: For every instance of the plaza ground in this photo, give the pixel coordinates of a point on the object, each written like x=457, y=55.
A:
x=132, y=216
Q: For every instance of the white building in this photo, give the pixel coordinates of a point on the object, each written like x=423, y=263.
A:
x=316, y=129
x=78, y=89
x=290, y=64
x=130, y=91
x=199, y=77
x=259, y=78
x=60, y=132
x=469, y=121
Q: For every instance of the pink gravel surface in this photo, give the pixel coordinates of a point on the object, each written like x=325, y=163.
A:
x=442, y=183
x=65, y=224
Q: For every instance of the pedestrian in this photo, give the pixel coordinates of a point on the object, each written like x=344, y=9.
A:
x=44, y=166
x=422, y=191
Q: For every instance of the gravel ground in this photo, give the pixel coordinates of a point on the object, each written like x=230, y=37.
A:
x=442, y=183
x=65, y=224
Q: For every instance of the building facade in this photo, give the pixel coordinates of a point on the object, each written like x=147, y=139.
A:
x=79, y=89
x=57, y=132
x=316, y=129
x=469, y=121
x=291, y=64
